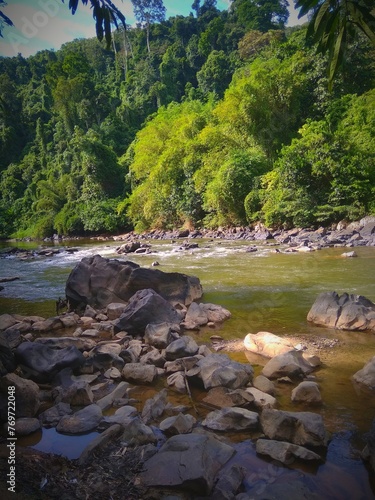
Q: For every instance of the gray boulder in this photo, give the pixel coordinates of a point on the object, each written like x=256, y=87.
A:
x=145, y=307
x=179, y=424
x=84, y=420
x=181, y=348
x=222, y=397
x=289, y=364
x=302, y=428
x=307, y=392
x=345, y=312
x=99, y=282
x=137, y=433
x=82, y=344
x=187, y=461
x=7, y=361
x=139, y=373
x=231, y=419
x=284, y=452
x=261, y=399
x=42, y=363
x=26, y=393
x=52, y=416
x=25, y=426
x=160, y=335
x=366, y=375
x=266, y=344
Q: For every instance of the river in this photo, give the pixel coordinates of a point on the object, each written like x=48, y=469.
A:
x=265, y=291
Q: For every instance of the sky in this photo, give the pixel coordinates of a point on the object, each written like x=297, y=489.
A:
x=47, y=24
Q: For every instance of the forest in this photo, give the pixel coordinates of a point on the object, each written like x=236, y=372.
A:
x=219, y=118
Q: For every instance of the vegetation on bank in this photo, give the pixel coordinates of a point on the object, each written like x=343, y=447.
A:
x=217, y=118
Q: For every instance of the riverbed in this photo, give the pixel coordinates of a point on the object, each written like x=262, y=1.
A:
x=265, y=290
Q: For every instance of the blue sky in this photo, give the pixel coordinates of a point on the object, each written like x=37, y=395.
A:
x=47, y=24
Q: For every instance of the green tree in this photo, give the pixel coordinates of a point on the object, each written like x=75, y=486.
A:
x=260, y=15
x=147, y=12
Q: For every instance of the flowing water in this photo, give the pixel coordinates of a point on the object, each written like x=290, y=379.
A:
x=265, y=291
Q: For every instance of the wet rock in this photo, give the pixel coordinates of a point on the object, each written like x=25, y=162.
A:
x=26, y=393
x=42, y=363
x=222, y=397
x=261, y=399
x=307, y=392
x=180, y=424
x=284, y=452
x=84, y=420
x=119, y=392
x=366, y=375
x=231, y=419
x=302, y=428
x=181, y=348
x=138, y=373
x=25, y=426
x=145, y=307
x=290, y=364
x=345, y=312
x=219, y=370
x=266, y=344
x=187, y=461
x=98, y=282
x=123, y=415
x=137, y=433
x=52, y=416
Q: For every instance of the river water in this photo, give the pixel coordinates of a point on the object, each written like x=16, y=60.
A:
x=265, y=291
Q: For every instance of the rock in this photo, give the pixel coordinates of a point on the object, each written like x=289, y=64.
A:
x=25, y=426
x=366, y=375
x=119, y=392
x=7, y=321
x=7, y=361
x=98, y=282
x=145, y=307
x=284, y=452
x=26, y=393
x=231, y=419
x=78, y=393
x=115, y=309
x=349, y=254
x=139, y=373
x=307, y=392
x=219, y=370
x=266, y=344
x=290, y=364
x=261, y=399
x=188, y=462
x=69, y=320
x=229, y=483
x=302, y=428
x=153, y=357
x=105, y=356
x=136, y=433
x=182, y=364
x=222, y=397
x=47, y=325
x=42, y=363
x=368, y=453
x=180, y=348
x=81, y=344
x=180, y=424
x=99, y=442
x=12, y=337
x=52, y=416
x=160, y=335
x=178, y=382
x=264, y=384
x=84, y=420
x=195, y=317
x=345, y=312
x=215, y=313
x=123, y=415
x=154, y=407
x=113, y=373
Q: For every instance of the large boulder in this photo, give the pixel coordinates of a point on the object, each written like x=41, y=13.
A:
x=307, y=392
x=345, y=312
x=26, y=393
x=284, y=452
x=187, y=461
x=366, y=375
x=266, y=344
x=42, y=363
x=7, y=362
x=84, y=420
x=289, y=364
x=231, y=419
x=98, y=282
x=146, y=307
x=302, y=428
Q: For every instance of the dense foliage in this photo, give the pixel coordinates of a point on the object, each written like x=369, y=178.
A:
x=217, y=118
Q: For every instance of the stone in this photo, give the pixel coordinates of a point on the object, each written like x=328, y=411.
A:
x=7, y=361
x=349, y=254
x=261, y=399
x=187, y=461
x=229, y=483
x=345, y=312
x=137, y=433
x=52, y=416
x=160, y=335
x=122, y=416
x=180, y=348
x=284, y=452
x=368, y=453
x=25, y=426
x=78, y=393
x=264, y=384
x=113, y=373
x=231, y=419
x=195, y=317
x=366, y=375
x=289, y=364
x=153, y=357
x=26, y=393
x=302, y=428
x=7, y=321
x=219, y=370
x=105, y=356
x=222, y=397
x=42, y=363
x=266, y=344
x=179, y=424
x=69, y=320
x=99, y=442
x=98, y=282
x=215, y=313
x=178, y=382
x=307, y=392
x=47, y=325
x=115, y=309
x=138, y=373
x=84, y=420
x=119, y=392
x=81, y=344
x=145, y=307
x=182, y=364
